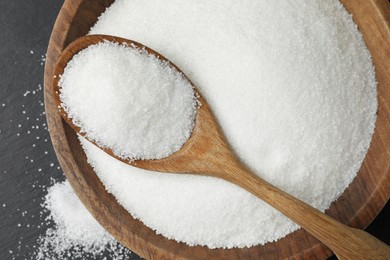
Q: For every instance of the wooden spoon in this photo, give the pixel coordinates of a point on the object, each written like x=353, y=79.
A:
x=206, y=153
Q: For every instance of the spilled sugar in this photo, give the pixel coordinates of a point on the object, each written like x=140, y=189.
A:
x=76, y=233
x=292, y=86
x=128, y=100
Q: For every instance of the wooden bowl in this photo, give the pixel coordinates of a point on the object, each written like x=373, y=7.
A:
x=357, y=206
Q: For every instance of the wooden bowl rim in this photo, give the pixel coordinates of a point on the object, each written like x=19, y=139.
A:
x=143, y=240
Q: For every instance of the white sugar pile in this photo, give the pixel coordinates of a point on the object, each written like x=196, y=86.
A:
x=128, y=100
x=293, y=88
x=76, y=233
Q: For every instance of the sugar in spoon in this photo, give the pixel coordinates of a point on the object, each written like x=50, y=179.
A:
x=206, y=152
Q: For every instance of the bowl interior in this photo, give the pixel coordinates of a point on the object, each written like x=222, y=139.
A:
x=357, y=206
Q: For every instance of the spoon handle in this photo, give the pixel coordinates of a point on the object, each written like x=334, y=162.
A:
x=344, y=241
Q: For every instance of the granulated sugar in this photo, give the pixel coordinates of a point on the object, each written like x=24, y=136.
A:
x=292, y=86
x=128, y=100
x=76, y=233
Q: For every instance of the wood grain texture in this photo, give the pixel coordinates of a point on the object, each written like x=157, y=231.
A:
x=358, y=205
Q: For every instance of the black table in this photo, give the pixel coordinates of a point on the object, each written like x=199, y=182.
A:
x=27, y=160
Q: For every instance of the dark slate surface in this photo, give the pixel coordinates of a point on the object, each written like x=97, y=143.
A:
x=27, y=159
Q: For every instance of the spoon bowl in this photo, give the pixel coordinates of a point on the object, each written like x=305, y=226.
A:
x=207, y=153
x=201, y=141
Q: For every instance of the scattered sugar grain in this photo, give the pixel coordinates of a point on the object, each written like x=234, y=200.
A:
x=293, y=87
